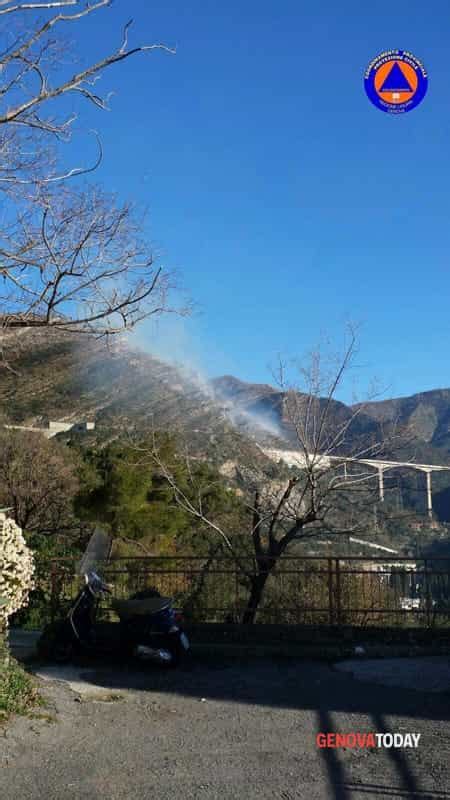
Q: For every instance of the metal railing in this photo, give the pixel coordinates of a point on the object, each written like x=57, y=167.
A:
x=299, y=590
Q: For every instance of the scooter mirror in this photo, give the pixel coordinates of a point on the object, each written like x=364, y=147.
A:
x=96, y=584
x=93, y=581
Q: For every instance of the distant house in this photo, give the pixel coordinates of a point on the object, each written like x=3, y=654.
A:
x=54, y=427
x=73, y=427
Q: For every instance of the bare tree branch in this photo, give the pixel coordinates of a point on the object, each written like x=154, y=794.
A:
x=34, y=6
x=78, y=263
x=24, y=111
x=68, y=260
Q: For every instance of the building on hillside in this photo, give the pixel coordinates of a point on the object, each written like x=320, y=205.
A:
x=73, y=427
x=54, y=427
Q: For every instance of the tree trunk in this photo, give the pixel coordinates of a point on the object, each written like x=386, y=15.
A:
x=256, y=592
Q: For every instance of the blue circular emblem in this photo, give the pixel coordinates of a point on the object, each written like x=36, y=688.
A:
x=396, y=81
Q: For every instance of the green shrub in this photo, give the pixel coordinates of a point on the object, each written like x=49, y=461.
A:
x=18, y=694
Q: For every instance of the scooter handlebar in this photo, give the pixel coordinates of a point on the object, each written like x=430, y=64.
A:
x=97, y=584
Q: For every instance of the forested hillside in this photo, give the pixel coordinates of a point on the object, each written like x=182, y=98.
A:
x=224, y=424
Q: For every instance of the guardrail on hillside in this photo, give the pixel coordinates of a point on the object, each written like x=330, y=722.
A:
x=301, y=590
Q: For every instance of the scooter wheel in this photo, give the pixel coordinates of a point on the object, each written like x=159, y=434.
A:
x=176, y=651
x=62, y=652
x=55, y=644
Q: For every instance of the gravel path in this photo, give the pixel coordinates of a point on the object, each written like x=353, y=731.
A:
x=430, y=674
x=238, y=731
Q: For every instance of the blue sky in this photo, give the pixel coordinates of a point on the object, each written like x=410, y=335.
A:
x=286, y=200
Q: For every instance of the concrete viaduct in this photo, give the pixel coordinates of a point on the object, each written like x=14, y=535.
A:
x=295, y=458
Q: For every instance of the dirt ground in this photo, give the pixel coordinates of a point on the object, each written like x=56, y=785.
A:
x=216, y=730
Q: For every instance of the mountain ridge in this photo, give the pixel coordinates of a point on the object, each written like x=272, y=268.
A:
x=123, y=389
x=59, y=376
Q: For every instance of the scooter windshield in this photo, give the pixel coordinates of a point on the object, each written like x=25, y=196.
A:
x=97, y=551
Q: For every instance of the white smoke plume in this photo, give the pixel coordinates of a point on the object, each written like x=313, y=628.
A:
x=175, y=341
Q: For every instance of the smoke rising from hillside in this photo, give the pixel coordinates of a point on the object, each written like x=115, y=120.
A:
x=173, y=341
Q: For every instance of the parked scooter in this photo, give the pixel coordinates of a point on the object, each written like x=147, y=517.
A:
x=148, y=630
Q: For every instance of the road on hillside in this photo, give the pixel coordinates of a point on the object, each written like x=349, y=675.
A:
x=234, y=731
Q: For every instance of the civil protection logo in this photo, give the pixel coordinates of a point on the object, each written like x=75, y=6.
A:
x=396, y=81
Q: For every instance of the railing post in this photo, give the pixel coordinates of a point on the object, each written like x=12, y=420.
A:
x=53, y=591
x=236, y=612
x=330, y=592
x=427, y=593
x=338, y=592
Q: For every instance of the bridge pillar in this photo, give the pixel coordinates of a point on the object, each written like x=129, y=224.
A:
x=429, y=497
x=381, y=483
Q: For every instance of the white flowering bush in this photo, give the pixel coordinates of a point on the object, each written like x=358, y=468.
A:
x=16, y=570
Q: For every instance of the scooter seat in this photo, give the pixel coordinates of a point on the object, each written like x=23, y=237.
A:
x=126, y=609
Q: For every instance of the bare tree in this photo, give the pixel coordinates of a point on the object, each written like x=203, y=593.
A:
x=78, y=262
x=38, y=482
x=30, y=68
x=326, y=476
x=68, y=259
